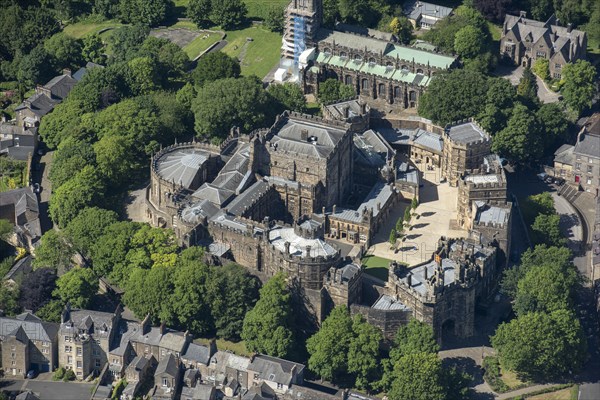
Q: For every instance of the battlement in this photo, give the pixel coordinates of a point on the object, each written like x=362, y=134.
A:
x=307, y=260
x=334, y=277
x=485, y=140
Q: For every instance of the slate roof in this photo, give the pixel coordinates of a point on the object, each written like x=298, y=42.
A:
x=193, y=212
x=588, y=140
x=565, y=154
x=388, y=303
x=273, y=369
x=414, y=9
x=241, y=203
x=199, y=392
x=24, y=201
x=138, y=364
x=349, y=271
x=467, y=133
x=34, y=328
x=345, y=109
x=167, y=365
x=525, y=27
x=198, y=353
x=449, y=268
x=428, y=140
x=60, y=86
x=28, y=395
x=379, y=194
x=39, y=104
x=491, y=214
x=214, y=194
x=81, y=72
x=173, y=340
x=21, y=267
x=181, y=165
x=100, y=323
x=278, y=236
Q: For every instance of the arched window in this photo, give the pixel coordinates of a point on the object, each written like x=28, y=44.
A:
x=327, y=50
x=397, y=92
x=419, y=71
x=348, y=80
x=412, y=95
x=365, y=84
x=372, y=60
x=357, y=57
x=381, y=89
x=404, y=68
x=343, y=54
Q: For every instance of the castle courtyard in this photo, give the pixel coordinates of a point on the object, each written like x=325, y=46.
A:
x=437, y=217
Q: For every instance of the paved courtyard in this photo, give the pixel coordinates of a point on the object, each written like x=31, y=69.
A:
x=437, y=217
x=181, y=37
x=514, y=74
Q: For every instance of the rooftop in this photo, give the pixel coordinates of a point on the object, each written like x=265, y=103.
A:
x=491, y=214
x=181, y=165
x=275, y=369
x=416, y=8
x=279, y=236
x=467, y=133
x=388, y=303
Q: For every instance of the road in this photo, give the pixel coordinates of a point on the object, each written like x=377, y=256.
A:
x=49, y=390
x=40, y=175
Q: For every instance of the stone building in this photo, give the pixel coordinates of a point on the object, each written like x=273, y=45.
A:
x=20, y=208
x=490, y=223
x=443, y=292
x=354, y=112
x=526, y=40
x=26, y=343
x=425, y=15
x=466, y=145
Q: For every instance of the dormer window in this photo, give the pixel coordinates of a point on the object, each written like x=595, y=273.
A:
x=357, y=57
x=343, y=54
x=372, y=61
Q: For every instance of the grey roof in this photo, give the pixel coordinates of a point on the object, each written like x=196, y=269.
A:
x=352, y=40
x=414, y=9
x=466, y=133
x=388, y=303
x=214, y=194
x=218, y=249
x=173, y=340
x=26, y=210
x=360, y=30
x=138, y=363
x=193, y=212
x=223, y=360
x=200, y=392
x=126, y=331
x=418, y=283
x=167, y=365
x=349, y=271
x=491, y=214
x=81, y=72
x=275, y=369
x=191, y=375
x=39, y=104
x=181, y=165
x=60, y=86
x=379, y=195
x=241, y=203
x=20, y=153
x=278, y=236
x=407, y=174
x=345, y=109
x=428, y=140
x=34, y=328
x=28, y=395
x=100, y=323
x=565, y=154
x=525, y=27
x=21, y=267
x=588, y=144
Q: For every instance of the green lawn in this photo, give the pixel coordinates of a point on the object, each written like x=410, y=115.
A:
x=224, y=345
x=495, y=30
x=83, y=28
x=258, y=56
x=201, y=43
x=257, y=9
x=376, y=266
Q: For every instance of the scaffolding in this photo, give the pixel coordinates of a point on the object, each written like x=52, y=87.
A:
x=299, y=38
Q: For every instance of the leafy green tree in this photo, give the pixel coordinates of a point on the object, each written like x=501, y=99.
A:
x=146, y=12
x=333, y=90
x=88, y=227
x=399, y=225
x=538, y=257
x=402, y=28
x=541, y=68
x=199, y=12
x=93, y=49
x=329, y=347
x=546, y=288
x=230, y=102
x=541, y=9
x=171, y=59
x=115, y=159
x=393, y=237
x=109, y=252
x=64, y=50
x=412, y=338
x=554, y=124
x=541, y=203
x=51, y=311
x=541, y=346
x=579, y=88
x=528, y=88
x=289, y=95
x=9, y=298
x=213, y=66
x=453, y=96
x=127, y=40
x=546, y=230
x=363, y=352
x=150, y=247
x=268, y=327
x=228, y=14
x=274, y=20
x=78, y=287
x=444, y=32
x=186, y=95
x=330, y=13
x=6, y=228
x=469, y=42
x=86, y=189
x=592, y=28
x=407, y=214
x=144, y=75
x=35, y=67
x=232, y=293
x=53, y=252
x=70, y=157
x=520, y=141
x=418, y=376
x=150, y=292
x=61, y=122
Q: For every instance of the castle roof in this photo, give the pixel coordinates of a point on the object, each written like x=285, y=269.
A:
x=467, y=133
x=279, y=236
x=487, y=213
x=388, y=303
x=181, y=165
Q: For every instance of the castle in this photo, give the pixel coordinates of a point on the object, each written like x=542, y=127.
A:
x=383, y=73
x=307, y=196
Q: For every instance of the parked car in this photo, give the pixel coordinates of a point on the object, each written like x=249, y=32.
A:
x=559, y=181
x=542, y=176
x=37, y=188
x=549, y=179
x=32, y=374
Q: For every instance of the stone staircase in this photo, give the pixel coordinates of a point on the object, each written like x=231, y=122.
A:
x=569, y=192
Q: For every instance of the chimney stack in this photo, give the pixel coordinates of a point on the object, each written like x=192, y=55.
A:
x=569, y=27
x=523, y=14
x=67, y=72
x=163, y=328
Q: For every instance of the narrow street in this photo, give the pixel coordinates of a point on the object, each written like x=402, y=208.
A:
x=41, y=168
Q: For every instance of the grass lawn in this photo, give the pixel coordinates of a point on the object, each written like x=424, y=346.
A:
x=258, y=56
x=236, y=348
x=257, y=9
x=376, y=266
x=563, y=394
x=511, y=379
x=83, y=28
x=495, y=30
x=201, y=43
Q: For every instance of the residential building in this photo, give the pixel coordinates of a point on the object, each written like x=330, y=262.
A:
x=167, y=377
x=425, y=15
x=26, y=343
x=526, y=40
x=277, y=373
x=20, y=207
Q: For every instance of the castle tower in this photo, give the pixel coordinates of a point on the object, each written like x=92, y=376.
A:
x=302, y=20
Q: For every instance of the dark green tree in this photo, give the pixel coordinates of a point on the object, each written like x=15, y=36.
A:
x=213, y=66
x=541, y=346
x=127, y=40
x=520, y=141
x=70, y=158
x=54, y=252
x=150, y=292
x=363, y=353
x=36, y=288
x=528, y=88
x=199, y=12
x=333, y=90
x=418, y=376
x=289, y=95
x=268, y=327
x=554, y=124
x=51, y=311
x=64, y=50
x=35, y=68
x=402, y=28
x=228, y=14
x=579, y=88
x=78, y=287
x=93, y=49
x=9, y=298
x=469, y=42
x=88, y=227
x=274, y=20
x=546, y=230
x=110, y=250
x=146, y=12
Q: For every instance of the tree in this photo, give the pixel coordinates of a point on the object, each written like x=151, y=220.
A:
x=402, y=28
x=150, y=292
x=393, y=237
x=469, y=42
x=93, y=49
x=126, y=41
x=546, y=288
x=418, y=376
x=541, y=68
x=541, y=203
x=116, y=160
x=520, y=140
x=64, y=50
x=541, y=346
x=230, y=102
x=414, y=203
x=493, y=9
x=171, y=59
x=332, y=90
x=528, y=88
x=453, y=96
x=199, y=12
x=146, y=12
x=407, y=214
x=268, y=327
x=88, y=227
x=228, y=14
x=144, y=76
x=412, y=338
x=274, y=20
x=77, y=287
x=579, y=88
x=71, y=157
x=35, y=67
x=85, y=189
x=53, y=252
x=328, y=348
x=363, y=353
x=399, y=225
x=330, y=13
x=9, y=296
x=109, y=252
x=36, y=288
x=546, y=230
x=554, y=124
x=289, y=96
x=51, y=311
x=213, y=66
x=6, y=228
x=186, y=95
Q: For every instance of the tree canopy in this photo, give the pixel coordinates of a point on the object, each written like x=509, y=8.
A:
x=579, y=84
x=213, y=66
x=77, y=287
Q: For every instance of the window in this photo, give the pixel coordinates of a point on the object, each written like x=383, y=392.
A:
x=13, y=348
x=13, y=355
x=556, y=75
x=557, y=65
x=590, y=169
x=96, y=352
x=590, y=160
x=79, y=351
x=79, y=364
x=68, y=349
x=97, y=363
x=13, y=363
x=256, y=376
x=79, y=373
x=279, y=386
x=69, y=360
x=540, y=54
x=46, y=344
x=589, y=181
x=146, y=349
x=45, y=351
x=381, y=89
x=165, y=382
x=67, y=338
x=578, y=166
x=365, y=84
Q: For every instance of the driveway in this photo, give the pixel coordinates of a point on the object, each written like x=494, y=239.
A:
x=40, y=176
x=49, y=390
x=514, y=74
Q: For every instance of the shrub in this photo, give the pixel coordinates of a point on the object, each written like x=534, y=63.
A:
x=69, y=375
x=58, y=374
x=491, y=365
